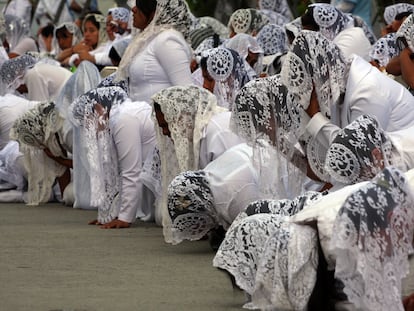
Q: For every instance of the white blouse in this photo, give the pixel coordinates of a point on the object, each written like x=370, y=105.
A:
x=163, y=63
x=233, y=182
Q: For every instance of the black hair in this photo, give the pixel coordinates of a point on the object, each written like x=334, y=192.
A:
x=203, y=63
x=402, y=15
x=91, y=18
x=308, y=22
x=48, y=30
x=146, y=6
x=114, y=56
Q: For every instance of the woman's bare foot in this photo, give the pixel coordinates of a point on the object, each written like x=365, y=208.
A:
x=116, y=224
x=94, y=222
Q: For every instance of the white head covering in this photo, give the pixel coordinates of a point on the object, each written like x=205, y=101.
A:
x=273, y=40
x=279, y=6
x=371, y=239
x=248, y=21
x=187, y=110
x=406, y=31
x=12, y=72
x=384, y=49
x=393, y=10
x=120, y=14
x=314, y=62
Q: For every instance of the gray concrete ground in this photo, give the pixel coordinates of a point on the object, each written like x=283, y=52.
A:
x=50, y=259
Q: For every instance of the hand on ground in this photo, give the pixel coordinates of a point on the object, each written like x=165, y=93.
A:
x=116, y=224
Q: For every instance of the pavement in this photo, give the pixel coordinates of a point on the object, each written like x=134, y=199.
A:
x=51, y=260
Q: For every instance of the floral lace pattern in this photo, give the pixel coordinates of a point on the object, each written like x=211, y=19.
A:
x=90, y=114
x=350, y=157
x=331, y=21
x=372, y=238
x=384, y=49
x=279, y=6
x=191, y=206
x=228, y=70
x=36, y=130
x=406, y=31
x=187, y=110
x=272, y=38
x=391, y=11
x=12, y=71
x=271, y=259
x=248, y=21
x=314, y=62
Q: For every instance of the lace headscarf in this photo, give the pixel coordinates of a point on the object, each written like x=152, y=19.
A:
x=2, y=26
x=271, y=259
x=187, y=110
x=169, y=14
x=393, y=10
x=279, y=6
x=372, y=238
x=384, y=49
x=314, y=62
x=248, y=21
x=101, y=20
x=36, y=130
x=257, y=116
x=89, y=114
x=191, y=206
x=12, y=72
x=243, y=43
x=349, y=158
x=218, y=27
x=120, y=14
x=276, y=18
x=228, y=70
x=272, y=38
x=16, y=30
x=406, y=31
x=331, y=21
x=73, y=29
x=295, y=26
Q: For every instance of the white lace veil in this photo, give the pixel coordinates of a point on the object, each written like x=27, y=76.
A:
x=384, y=49
x=406, y=31
x=228, y=70
x=12, y=72
x=191, y=207
x=273, y=40
x=89, y=114
x=169, y=14
x=372, y=238
x=279, y=6
x=257, y=116
x=314, y=62
x=16, y=29
x=187, y=110
x=243, y=44
x=391, y=11
x=272, y=260
x=85, y=78
x=248, y=21
x=331, y=21
x=349, y=158
x=36, y=130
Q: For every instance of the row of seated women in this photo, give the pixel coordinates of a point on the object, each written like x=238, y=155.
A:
x=306, y=165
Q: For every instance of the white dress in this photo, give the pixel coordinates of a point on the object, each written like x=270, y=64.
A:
x=133, y=133
x=233, y=181
x=217, y=138
x=163, y=63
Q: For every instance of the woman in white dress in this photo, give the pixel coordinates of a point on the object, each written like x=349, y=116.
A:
x=331, y=92
x=159, y=55
x=116, y=136
x=192, y=132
